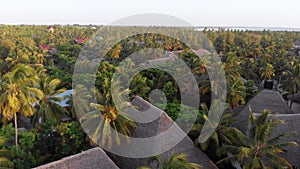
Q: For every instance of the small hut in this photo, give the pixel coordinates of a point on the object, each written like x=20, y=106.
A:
x=154, y=128
x=50, y=29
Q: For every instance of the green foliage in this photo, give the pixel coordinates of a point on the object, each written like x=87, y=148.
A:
x=47, y=106
x=170, y=91
x=8, y=132
x=267, y=72
x=48, y=142
x=259, y=150
x=27, y=140
x=65, y=76
x=291, y=79
x=5, y=155
x=139, y=86
x=254, y=55
x=72, y=138
x=220, y=136
x=173, y=109
x=250, y=90
x=24, y=157
x=109, y=124
x=60, y=140
x=174, y=161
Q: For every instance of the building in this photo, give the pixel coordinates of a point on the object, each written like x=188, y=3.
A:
x=50, y=29
x=96, y=158
x=272, y=100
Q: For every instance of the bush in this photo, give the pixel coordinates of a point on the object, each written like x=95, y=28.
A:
x=72, y=138
x=48, y=142
x=60, y=140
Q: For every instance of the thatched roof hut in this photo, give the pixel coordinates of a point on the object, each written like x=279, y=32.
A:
x=297, y=44
x=266, y=99
x=272, y=100
x=292, y=123
x=294, y=97
x=294, y=102
x=94, y=158
x=156, y=127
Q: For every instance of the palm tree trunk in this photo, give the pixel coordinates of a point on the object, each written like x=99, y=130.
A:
x=16, y=131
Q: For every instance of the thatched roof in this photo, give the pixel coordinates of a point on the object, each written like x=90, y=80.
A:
x=266, y=99
x=297, y=43
x=292, y=123
x=168, y=57
x=271, y=100
x=91, y=159
x=294, y=97
x=171, y=56
x=154, y=128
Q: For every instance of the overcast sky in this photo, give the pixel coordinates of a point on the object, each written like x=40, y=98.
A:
x=248, y=13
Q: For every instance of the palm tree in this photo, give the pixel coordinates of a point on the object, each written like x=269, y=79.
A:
x=220, y=136
x=292, y=82
x=259, y=151
x=106, y=121
x=109, y=123
x=175, y=161
x=268, y=72
x=116, y=51
x=47, y=105
x=19, y=94
x=236, y=92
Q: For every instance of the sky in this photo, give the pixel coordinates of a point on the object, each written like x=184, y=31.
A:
x=245, y=13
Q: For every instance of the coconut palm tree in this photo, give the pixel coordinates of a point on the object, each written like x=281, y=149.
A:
x=260, y=150
x=267, y=72
x=175, y=161
x=292, y=82
x=104, y=120
x=5, y=155
x=47, y=106
x=19, y=94
x=220, y=136
x=109, y=122
x=236, y=94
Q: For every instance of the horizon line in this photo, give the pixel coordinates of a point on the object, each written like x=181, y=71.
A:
x=195, y=26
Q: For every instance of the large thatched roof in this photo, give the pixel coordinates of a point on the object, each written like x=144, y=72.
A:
x=292, y=123
x=91, y=159
x=266, y=99
x=297, y=43
x=271, y=100
x=154, y=128
x=294, y=97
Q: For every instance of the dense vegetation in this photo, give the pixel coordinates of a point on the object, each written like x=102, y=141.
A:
x=37, y=65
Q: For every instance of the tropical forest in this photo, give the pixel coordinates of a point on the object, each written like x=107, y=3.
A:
x=47, y=86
